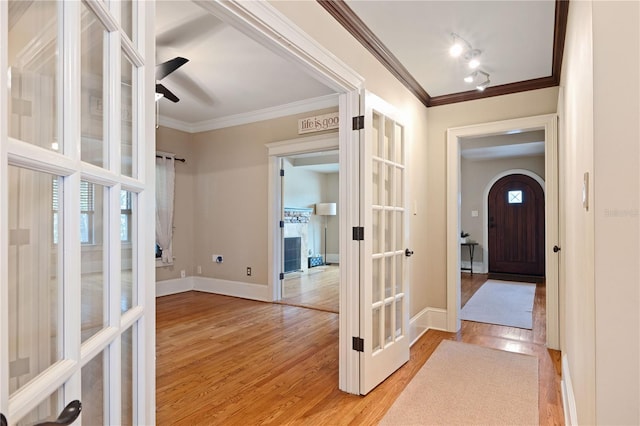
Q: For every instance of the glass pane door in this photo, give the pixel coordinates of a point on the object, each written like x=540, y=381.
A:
x=384, y=287
x=72, y=298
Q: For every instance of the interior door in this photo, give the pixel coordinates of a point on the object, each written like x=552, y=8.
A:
x=516, y=226
x=74, y=262
x=384, y=323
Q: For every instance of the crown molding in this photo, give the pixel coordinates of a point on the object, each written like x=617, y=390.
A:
x=292, y=108
x=354, y=25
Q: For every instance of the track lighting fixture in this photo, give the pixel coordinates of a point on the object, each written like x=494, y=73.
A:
x=474, y=77
x=462, y=48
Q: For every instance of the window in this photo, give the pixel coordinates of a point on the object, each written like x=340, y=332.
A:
x=87, y=210
x=125, y=216
x=514, y=197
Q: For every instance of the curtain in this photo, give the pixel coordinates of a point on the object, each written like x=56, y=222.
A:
x=165, y=188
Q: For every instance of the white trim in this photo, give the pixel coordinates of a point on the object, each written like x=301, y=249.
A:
x=425, y=320
x=276, y=150
x=568, y=397
x=485, y=209
x=292, y=108
x=174, y=286
x=231, y=288
x=549, y=123
x=213, y=285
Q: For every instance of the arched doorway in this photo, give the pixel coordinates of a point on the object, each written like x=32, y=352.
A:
x=516, y=228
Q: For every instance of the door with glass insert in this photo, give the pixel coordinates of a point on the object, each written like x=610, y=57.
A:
x=384, y=288
x=73, y=262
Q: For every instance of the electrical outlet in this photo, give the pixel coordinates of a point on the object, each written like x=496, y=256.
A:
x=248, y=271
x=183, y=273
x=199, y=269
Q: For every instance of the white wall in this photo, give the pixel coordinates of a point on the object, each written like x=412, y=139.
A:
x=599, y=112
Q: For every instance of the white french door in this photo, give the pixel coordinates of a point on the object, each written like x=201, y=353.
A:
x=384, y=310
x=76, y=184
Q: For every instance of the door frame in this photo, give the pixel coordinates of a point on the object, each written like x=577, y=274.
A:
x=264, y=24
x=548, y=123
x=276, y=152
x=485, y=207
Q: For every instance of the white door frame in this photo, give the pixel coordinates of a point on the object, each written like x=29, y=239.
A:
x=548, y=123
x=263, y=23
x=485, y=207
x=278, y=150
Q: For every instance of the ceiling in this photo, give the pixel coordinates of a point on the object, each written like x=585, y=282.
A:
x=231, y=78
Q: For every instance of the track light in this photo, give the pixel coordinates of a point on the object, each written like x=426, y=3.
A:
x=485, y=83
x=474, y=76
x=459, y=46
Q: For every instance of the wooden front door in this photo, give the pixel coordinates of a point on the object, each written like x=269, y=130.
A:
x=516, y=226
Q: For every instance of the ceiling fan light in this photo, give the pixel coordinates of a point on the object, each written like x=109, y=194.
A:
x=470, y=77
x=474, y=63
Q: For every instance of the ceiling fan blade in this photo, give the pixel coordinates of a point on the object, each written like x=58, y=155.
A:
x=166, y=68
x=160, y=88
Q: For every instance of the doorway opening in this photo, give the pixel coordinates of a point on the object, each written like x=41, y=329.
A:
x=471, y=217
x=310, y=234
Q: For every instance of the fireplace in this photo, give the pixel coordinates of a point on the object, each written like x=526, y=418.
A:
x=292, y=254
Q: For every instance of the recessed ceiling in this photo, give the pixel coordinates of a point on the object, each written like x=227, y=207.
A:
x=228, y=73
x=515, y=38
x=520, y=41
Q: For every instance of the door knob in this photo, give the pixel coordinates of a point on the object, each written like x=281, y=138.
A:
x=408, y=253
x=67, y=416
x=556, y=249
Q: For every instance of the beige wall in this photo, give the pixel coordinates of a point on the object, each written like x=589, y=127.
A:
x=475, y=176
x=440, y=119
x=231, y=186
x=616, y=207
x=599, y=135
x=179, y=143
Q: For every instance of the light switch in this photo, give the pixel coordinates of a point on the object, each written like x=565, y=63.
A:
x=474, y=213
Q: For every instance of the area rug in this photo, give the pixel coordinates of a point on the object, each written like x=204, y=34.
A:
x=464, y=384
x=503, y=303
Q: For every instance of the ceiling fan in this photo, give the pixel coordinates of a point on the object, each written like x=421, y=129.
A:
x=163, y=70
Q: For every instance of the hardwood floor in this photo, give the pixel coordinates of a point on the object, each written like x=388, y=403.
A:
x=223, y=360
x=317, y=289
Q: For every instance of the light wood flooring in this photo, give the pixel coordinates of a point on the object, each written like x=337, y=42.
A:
x=223, y=360
x=318, y=288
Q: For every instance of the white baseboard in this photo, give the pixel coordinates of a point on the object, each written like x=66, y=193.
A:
x=333, y=258
x=232, y=288
x=568, y=397
x=178, y=285
x=428, y=318
x=478, y=267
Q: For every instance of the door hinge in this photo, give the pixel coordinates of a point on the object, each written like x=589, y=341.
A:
x=281, y=172
x=358, y=344
x=358, y=122
x=358, y=233
x=282, y=224
x=282, y=275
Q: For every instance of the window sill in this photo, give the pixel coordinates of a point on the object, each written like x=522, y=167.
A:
x=161, y=264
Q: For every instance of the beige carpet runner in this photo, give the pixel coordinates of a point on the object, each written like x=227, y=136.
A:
x=464, y=384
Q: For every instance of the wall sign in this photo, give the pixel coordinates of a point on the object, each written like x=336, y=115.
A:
x=318, y=123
